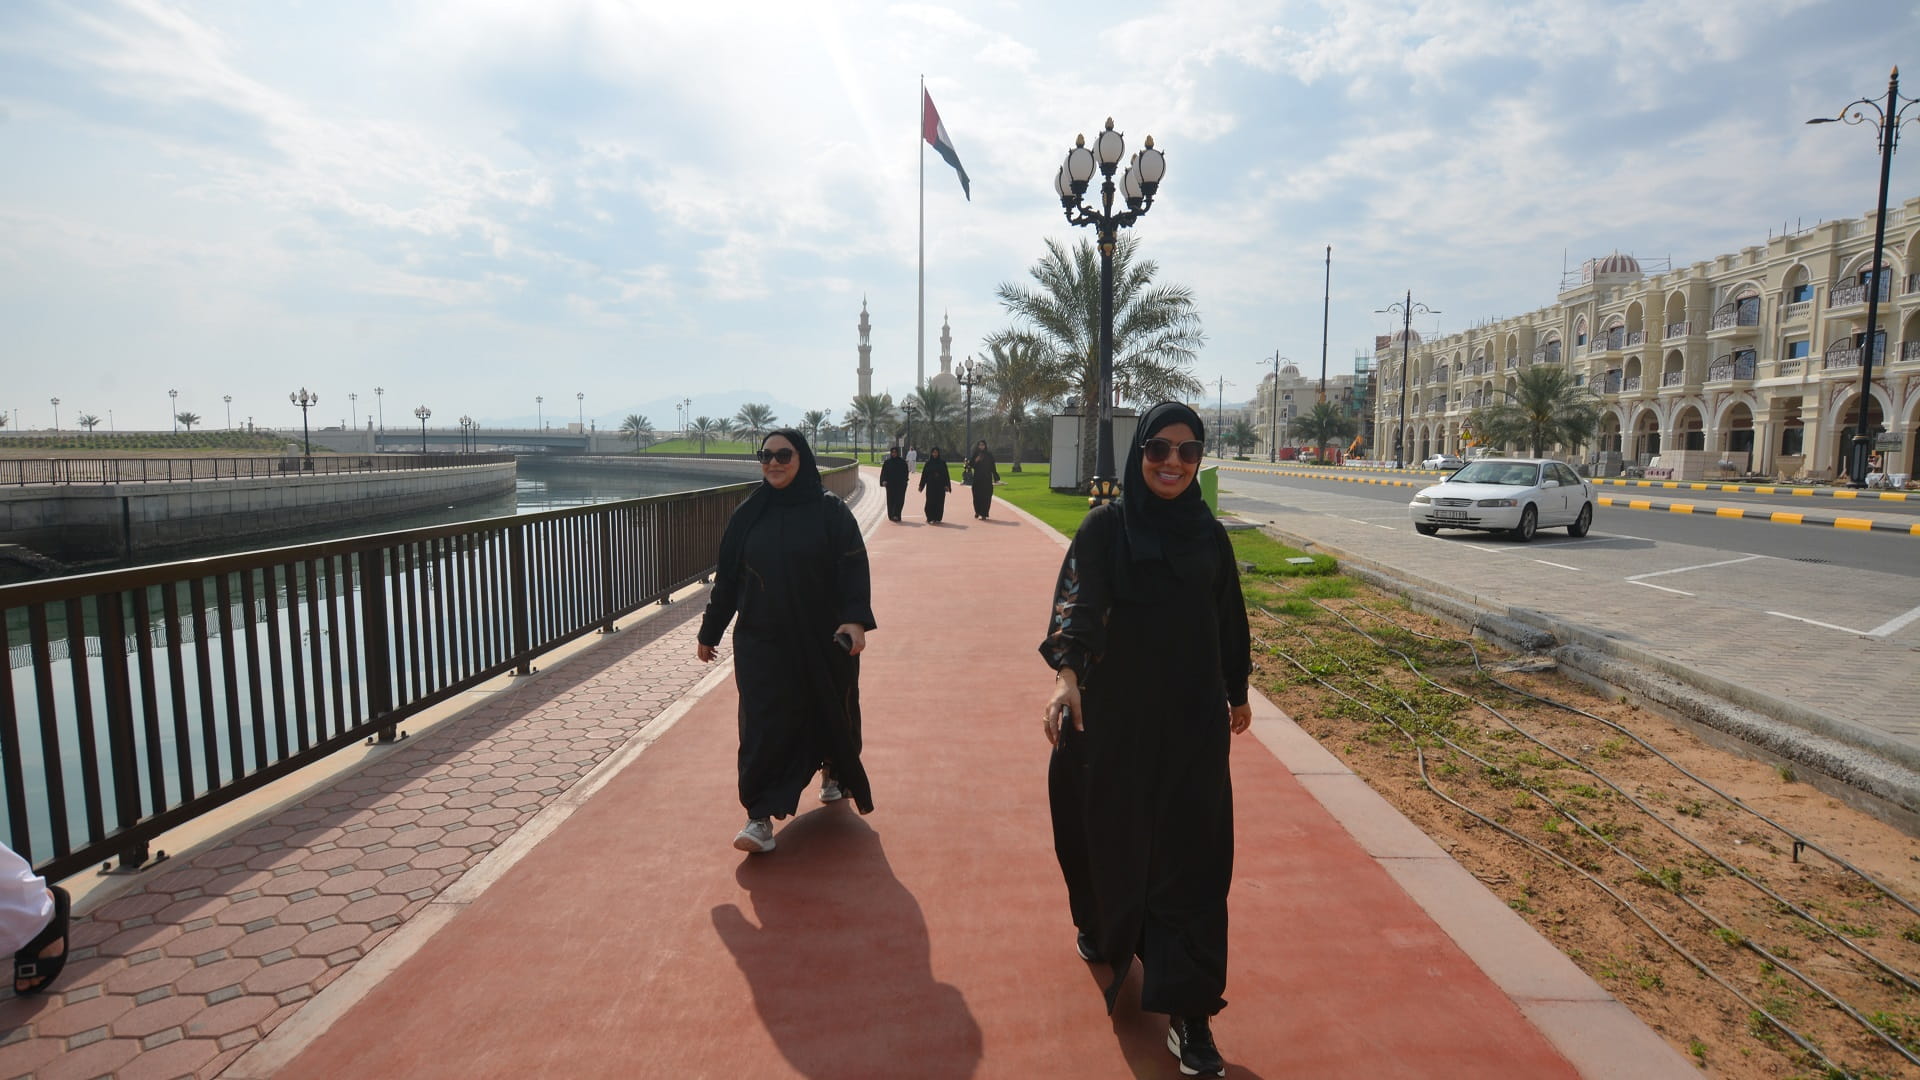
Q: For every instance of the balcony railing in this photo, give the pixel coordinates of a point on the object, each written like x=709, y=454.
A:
x=1913, y=284
x=1513, y=363
x=1841, y=355
x=1629, y=384
x=1910, y=350
x=1731, y=366
x=1636, y=337
x=1612, y=384
x=1796, y=312
x=1678, y=329
x=1788, y=367
x=1848, y=295
x=1673, y=378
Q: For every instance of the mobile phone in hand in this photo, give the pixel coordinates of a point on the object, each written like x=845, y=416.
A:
x=844, y=640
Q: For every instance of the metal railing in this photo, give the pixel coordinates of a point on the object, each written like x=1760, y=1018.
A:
x=1910, y=350
x=1672, y=378
x=1679, y=329
x=186, y=685
x=21, y=471
x=1630, y=384
x=1636, y=337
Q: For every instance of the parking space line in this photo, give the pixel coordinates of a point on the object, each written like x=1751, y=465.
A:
x=1662, y=588
x=1488, y=550
x=1702, y=566
x=1817, y=622
x=1894, y=624
x=1562, y=566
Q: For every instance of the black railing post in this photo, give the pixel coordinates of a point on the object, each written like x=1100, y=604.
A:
x=606, y=570
x=376, y=638
x=122, y=754
x=520, y=597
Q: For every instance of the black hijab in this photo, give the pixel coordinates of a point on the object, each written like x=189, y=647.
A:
x=1173, y=529
x=806, y=487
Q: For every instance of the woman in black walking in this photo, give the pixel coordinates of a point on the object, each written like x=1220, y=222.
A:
x=936, y=481
x=981, y=476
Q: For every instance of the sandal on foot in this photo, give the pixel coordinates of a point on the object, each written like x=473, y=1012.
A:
x=28, y=965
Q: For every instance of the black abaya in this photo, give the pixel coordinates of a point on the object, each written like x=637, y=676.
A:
x=981, y=475
x=894, y=475
x=936, y=481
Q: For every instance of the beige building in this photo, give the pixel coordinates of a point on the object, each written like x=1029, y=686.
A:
x=1295, y=398
x=1752, y=358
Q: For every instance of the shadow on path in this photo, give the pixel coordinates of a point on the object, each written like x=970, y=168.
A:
x=839, y=960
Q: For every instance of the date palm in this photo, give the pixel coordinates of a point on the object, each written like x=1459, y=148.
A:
x=811, y=422
x=637, y=429
x=705, y=428
x=1543, y=410
x=188, y=419
x=1241, y=435
x=754, y=420
x=1156, y=331
x=1024, y=381
x=1326, y=424
x=88, y=421
x=936, y=407
x=871, y=411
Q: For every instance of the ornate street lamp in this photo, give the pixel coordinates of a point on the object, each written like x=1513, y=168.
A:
x=56, y=413
x=911, y=410
x=686, y=414
x=1405, y=308
x=379, y=404
x=228, y=398
x=1886, y=122
x=539, y=417
x=173, y=409
x=353, y=409
x=581, y=397
x=969, y=375
x=306, y=400
x=1273, y=414
x=466, y=428
x=1137, y=187
x=423, y=412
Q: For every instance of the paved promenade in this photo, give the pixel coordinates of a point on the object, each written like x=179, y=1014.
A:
x=544, y=886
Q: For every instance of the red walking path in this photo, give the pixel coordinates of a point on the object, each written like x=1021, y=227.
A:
x=606, y=927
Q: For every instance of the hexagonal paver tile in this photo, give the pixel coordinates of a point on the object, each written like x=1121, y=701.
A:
x=94, y=1059
x=139, y=978
x=221, y=973
x=351, y=882
x=313, y=909
x=285, y=975
x=204, y=940
x=444, y=857
x=234, y=1014
x=407, y=881
x=156, y=1016
x=29, y=1055
x=268, y=940
x=372, y=908
x=365, y=838
x=326, y=942
x=260, y=907
x=66, y=1021
x=327, y=860
x=139, y=939
x=381, y=860
x=298, y=881
x=183, y=1057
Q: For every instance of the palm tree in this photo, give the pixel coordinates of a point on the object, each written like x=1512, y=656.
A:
x=1022, y=377
x=1241, y=435
x=188, y=419
x=811, y=422
x=706, y=427
x=1156, y=331
x=1544, y=409
x=88, y=421
x=638, y=429
x=871, y=411
x=754, y=420
x=937, y=408
x=1325, y=425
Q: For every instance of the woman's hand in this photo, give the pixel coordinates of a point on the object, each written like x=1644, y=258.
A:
x=1062, y=706
x=859, y=635
x=704, y=652
x=1239, y=718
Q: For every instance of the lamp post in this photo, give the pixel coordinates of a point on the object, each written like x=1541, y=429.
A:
x=1220, y=416
x=56, y=413
x=228, y=398
x=423, y=412
x=539, y=416
x=1137, y=186
x=466, y=427
x=581, y=397
x=379, y=404
x=173, y=409
x=1886, y=121
x=1273, y=413
x=686, y=413
x=305, y=400
x=969, y=375
x=911, y=410
x=353, y=409
x=1405, y=308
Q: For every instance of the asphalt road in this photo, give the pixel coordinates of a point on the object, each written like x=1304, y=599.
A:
x=1821, y=545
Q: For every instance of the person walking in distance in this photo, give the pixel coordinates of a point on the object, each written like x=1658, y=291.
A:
x=982, y=474
x=936, y=481
x=1149, y=640
x=894, y=476
x=793, y=568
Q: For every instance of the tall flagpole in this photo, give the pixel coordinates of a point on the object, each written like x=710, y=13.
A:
x=920, y=315
x=1326, y=314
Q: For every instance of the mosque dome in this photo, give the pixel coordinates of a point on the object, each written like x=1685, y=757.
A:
x=1616, y=263
x=1413, y=337
x=1290, y=369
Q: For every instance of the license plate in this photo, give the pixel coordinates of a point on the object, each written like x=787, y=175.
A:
x=1449, y=515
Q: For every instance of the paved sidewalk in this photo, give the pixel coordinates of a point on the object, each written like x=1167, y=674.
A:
x=545, y=887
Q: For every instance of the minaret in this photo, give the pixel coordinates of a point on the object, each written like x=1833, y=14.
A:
x=945, y=379
x=866, y=353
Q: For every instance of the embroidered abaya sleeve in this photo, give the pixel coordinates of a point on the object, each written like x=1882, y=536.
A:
x=1082, y=595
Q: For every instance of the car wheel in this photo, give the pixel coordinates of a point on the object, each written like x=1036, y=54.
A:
x=1425, y=529
x=1582, y=523
x=1529, y=524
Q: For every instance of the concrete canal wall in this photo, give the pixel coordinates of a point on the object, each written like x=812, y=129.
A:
x=81, y=524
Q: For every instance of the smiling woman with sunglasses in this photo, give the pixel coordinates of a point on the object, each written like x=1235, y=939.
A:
x=794, y=569
x=1149, y=639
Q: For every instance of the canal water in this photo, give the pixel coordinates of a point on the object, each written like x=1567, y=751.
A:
x=204, y=730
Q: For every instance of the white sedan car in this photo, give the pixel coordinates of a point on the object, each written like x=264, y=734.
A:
x=1446, y=462
x=1517, y=496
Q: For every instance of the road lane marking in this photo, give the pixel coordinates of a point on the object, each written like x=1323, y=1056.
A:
x=1894, y=624
x=1817, y=622
x=1662, y=588
x=1702, y=566
x=1488, y=550
x=1562, y=566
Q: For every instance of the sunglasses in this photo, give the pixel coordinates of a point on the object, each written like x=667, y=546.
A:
x=1158, y=450
x=784, y=456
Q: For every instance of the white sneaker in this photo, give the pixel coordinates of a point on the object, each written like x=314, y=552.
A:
x=830, y=791
x=756, y=838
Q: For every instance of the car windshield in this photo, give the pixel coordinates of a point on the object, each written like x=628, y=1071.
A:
x=1502, y=473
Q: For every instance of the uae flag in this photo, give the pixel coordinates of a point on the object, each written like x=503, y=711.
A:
x=935, y=133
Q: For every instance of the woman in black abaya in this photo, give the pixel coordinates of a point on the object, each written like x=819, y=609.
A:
x=936, y=481
x=1149, y=639
x=981, y=475
x=893, y=477
x=794, y=568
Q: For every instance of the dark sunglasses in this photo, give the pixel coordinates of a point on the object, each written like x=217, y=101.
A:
x=1157, y=450
x=784, y=456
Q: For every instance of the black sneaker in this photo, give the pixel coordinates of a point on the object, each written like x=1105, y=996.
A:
x=1192, y=1043
x=1084, y=945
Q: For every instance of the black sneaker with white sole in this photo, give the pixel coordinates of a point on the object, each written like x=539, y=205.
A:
x=1192, y=1042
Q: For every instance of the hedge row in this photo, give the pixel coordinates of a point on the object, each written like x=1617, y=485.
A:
x=145, y=440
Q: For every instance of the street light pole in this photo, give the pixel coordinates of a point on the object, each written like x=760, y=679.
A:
x=969, y=376
x=1886, y=120
x=423, y=412
x=1220, y=416
x=1273, y=416
x=228, y=398
x=353, y=409
x=539, y=417
x=1137, y=187
x=1406, y=309
x=56, y=413
x=306, y=400
x=380, y=404
x=466, y=426
x=1326, y=316
x=173, y=409
x=911, y=411
x=581, y=397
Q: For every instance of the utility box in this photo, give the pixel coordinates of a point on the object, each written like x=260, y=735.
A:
x=1064, y=459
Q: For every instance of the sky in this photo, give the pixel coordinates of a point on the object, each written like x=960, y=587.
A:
x=617, y=206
